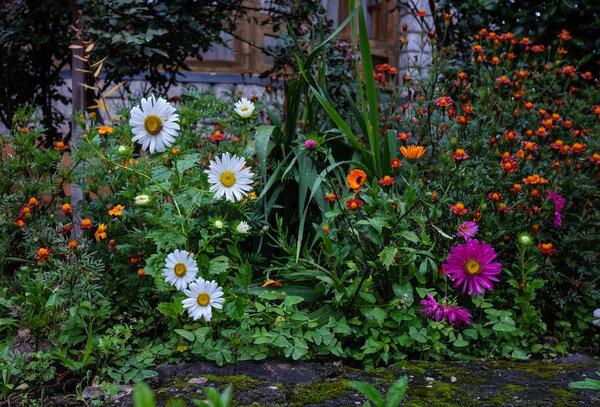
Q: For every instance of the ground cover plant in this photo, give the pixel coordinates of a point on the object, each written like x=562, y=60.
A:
x=452, y=214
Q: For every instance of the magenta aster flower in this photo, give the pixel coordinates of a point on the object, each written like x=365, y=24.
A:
x=452, y=315
x=471, y=266
x=310, y=144
x=559, y=203
x=467, y=229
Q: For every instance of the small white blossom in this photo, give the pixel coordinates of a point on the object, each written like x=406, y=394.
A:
x=142, y=200
x=243, y=227
x=244, y=108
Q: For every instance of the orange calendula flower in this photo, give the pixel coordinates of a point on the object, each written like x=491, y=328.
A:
x=272, y=283
x=116, y=211
x=356, y=179
x=412, y=152
x=105, y=129
x=387, y=180
x=86, y=224
x=100, y=232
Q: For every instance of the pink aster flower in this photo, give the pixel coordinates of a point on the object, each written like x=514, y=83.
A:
x=559, y=203
x=471, y=265
x=443, y=101
x=452, y=315
x=467, y=229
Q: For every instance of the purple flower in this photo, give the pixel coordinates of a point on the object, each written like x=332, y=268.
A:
x=310, y=145
x=471, y=265
x=467, y=230
x=559, y=203
x=452, y=315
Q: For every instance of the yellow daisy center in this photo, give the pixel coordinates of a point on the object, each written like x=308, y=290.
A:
x=180, y=270
x=227, y=178
x=203, y=299
x=472, y=267
x=463, y=229
x=243, y=109
x=153, y=124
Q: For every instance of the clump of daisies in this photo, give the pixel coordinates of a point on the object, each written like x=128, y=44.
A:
x=244, y=108
x=229, y=176
x=155, y=124
x=180, y=271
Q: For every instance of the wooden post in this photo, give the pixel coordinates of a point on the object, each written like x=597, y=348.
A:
x=77, y=78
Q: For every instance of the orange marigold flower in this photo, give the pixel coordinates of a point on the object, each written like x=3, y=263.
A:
x=331, y=197
x=578, y=148
x=510, y=135
x=557, y=144
x=535, y=179
x=353, y=203
x=116, y=211
x=33, y=202
x=587, y=76
x=529, y=145
x=595, y=158
x=546, y=248
x=86, y=224
x=495, y=196
x=395, y=163
x=42, y=254
x=522, y=74
x=20, y=221
x=59, y=146
x=66, y=229
x=67, y=209
x=73, y=244
x=386, y=180
x=556, y=165
x=509, y=164
x=516, y=188
x=326, y=229
x=356, y=179
x=528, y=105
x=564, y=35
x=464, y=119
x=403, y=136
x=460, y=154
x=112, y=245
x=105, y=129
x=541, y=131
x=141, y=273
x=444, y=101
x=459, y=209
x=412, y=152
x=537, y=48
x=101, y=232
x=421, y=13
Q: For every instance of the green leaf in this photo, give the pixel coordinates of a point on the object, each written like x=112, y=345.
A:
x=379, y=315
x=588, y=383
x=388, y=255
x=186, y=334
x=161, y=173
x=218, y=265
x=395, y=394
x=369, y=392
x=143, y=396
x=263, y=143
x=187, y=161
x=292, y=300
x=504, y=327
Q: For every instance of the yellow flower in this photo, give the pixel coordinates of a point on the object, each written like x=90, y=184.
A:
x=412, y=152
x=117, y=210
x=101, y=232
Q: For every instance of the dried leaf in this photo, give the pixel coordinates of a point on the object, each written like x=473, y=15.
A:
x=90, y=47
x=99, y=62
x=92, y=107
x=80, y=58
x=83, y=70
x=88, y=86
x=75, y=46
x=98, y=71
x=101, y=105
x=114, y=88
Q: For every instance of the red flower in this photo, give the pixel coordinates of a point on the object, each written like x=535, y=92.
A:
x=509, y=164
x=42, y=254
x=387, y=180
x=460, y=154
x=459, y=209
x=331, y=197
x=495, y=196
x=546, y=248
x=395, y=163
x=353, y=203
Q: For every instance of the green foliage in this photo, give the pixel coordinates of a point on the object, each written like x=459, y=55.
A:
x=394, y=395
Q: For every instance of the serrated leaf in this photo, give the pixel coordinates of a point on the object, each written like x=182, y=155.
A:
x=388, y=255
x=186, y=334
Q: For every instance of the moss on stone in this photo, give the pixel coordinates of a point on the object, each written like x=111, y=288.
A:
x=564, y=394
x=239, y=383
x=317, y=392
x=440, y=394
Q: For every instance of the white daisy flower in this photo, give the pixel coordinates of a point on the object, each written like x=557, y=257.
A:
x=244, y=108
x=180, y=270
x=154, y=125
x=218, y=224
x=597, y=315
x=229, y=176
x=202, y=297
x=142, y=200
x=243, y=227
